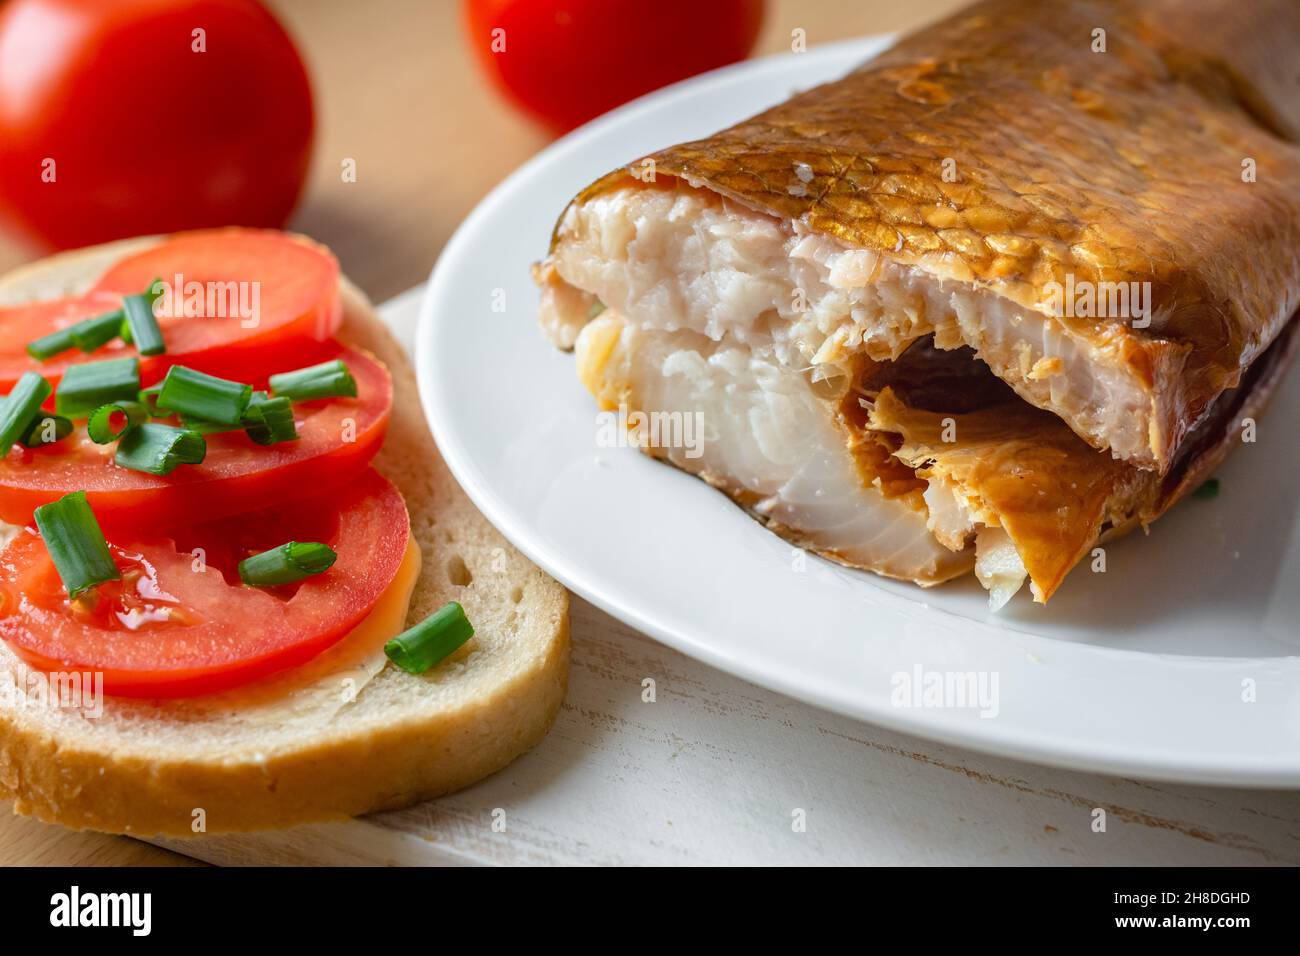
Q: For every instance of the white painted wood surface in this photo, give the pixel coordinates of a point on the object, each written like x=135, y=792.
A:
x=716, y=770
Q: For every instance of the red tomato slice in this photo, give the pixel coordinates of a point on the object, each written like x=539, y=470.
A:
x=169, y=630
x=338, y=438
x=265, y=301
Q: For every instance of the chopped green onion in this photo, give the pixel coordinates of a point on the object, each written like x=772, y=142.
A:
x=46, y=429
x=48, y=346
x=92, y=333
x=326, y=380
x=148, y=397
x=198, y=395
x=270, y=420
x=208, y=428
x=1210, y=489
x=20, y=407
x=141, y=326
x=431, y=641
x=286, y=564
x=85, y=387
x=158, y=449
x=76, y=543
x=87, y=335
x=105, y=426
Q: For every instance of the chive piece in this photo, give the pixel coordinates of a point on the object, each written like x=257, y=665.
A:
x=141, y=324
x=87, y=335
x=92, y=333
x=216, y=428
x=148, y=397
x=1210, y=489
x=48, y=346
x=158, y=449
x=207, y=428
x=46, y=429
x=20, y=407
x=85, y=387
x=270, y=420
x=104, y=425
x=326, y=380
x=76, y=543
x=431, y=641
x=286, y=564
x=204, y=396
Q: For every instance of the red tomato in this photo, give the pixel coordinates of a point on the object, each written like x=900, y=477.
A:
x=169, y=630
x=293, y=284
x=568, y=61
x=146, y=134
x=337, y=439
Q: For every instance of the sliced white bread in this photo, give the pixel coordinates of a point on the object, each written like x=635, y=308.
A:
x=346, y=734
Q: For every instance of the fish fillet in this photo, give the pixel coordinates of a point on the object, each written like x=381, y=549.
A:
x=986, y=300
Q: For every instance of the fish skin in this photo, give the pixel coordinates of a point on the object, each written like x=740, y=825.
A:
x=1123, y=166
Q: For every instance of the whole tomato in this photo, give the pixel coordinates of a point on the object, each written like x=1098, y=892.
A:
x=125, y=117
x=568, y=61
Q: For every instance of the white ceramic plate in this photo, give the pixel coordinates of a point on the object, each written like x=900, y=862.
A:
x=1178, y=662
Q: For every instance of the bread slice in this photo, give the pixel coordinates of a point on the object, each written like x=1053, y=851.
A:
x=245, y=761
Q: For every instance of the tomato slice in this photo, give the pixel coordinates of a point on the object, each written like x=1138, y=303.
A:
x=239, y=301
x=337, y=439
x=173, y=627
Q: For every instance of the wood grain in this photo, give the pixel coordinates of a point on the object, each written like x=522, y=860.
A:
x=714, y=770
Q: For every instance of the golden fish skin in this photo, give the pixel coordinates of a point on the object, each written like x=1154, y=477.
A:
x=999, y=149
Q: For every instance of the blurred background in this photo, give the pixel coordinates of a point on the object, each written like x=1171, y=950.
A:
x=397, y=88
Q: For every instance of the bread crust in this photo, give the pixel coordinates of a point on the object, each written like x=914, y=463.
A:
x=147, y=768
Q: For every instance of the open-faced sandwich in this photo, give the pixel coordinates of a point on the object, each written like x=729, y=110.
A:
x=1011, y=288
x=239, y=588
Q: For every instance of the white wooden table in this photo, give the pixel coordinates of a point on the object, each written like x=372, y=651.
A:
x=716, y=770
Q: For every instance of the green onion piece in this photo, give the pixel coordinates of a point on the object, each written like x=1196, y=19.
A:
x=85, y=387
x=158, y=449
x=148, y=397
x=141, y=324
x=286, y=564
x=270, y=420
x=87, y=335
x=48, y=346
x=431, y=641
x=198, y=395
x=110, y=422
x=76, y=543
x=92, y=333
x=20, y=407
x=1210, y=489
x=46, y=429
x=207, y=428
x=326, y=380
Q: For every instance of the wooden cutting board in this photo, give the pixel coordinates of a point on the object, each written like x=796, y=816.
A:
x=714, y=770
